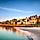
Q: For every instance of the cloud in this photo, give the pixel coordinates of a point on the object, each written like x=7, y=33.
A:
x=16, y=10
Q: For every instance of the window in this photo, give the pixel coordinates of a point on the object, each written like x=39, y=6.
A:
x=27, y=20
x=15, y=22
x=30, y=18
x=33, y=22
x=23, y=19
x=21, y=22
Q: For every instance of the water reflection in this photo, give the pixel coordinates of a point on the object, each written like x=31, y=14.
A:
x=9, y=28
x=15, y=35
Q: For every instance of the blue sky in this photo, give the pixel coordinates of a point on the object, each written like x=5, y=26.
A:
x=18, y=8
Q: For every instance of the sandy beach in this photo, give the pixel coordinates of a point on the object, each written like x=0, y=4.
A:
x=33, y=32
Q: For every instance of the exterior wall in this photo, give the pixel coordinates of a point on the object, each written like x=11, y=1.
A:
x=33, y=20
x=23, y=22
x=18, y=22
x=39, y=20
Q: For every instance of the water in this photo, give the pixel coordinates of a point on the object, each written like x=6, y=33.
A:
x=10, y=35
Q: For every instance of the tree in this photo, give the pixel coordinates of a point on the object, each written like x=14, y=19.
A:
x=7, y=22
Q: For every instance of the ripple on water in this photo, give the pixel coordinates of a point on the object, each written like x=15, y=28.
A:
x=5, y=34
x=8, y=35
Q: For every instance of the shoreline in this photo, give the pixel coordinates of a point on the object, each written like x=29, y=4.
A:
x=33, y=32
x=12, y=25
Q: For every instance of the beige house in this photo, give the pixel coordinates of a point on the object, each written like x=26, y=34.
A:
x=38, y=19
x=29, y=20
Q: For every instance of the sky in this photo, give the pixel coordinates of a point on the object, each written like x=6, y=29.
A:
x=10, y=9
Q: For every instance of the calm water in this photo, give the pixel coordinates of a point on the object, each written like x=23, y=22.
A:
x=9, y=35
